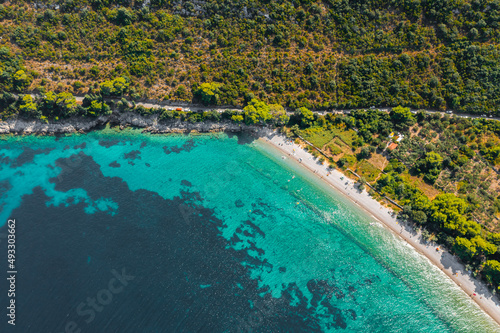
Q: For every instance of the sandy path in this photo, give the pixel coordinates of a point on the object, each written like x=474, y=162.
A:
x=442, y=259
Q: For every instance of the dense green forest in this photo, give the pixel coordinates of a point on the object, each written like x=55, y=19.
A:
x=315, y=54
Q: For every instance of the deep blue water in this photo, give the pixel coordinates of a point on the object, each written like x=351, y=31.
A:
x=124, y=232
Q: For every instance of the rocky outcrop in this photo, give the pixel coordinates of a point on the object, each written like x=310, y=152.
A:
x=23, y=126
x=128, y=119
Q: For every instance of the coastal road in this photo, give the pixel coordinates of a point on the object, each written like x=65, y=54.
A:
x=202, y=108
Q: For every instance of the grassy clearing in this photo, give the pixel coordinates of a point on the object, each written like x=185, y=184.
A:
x=334, y=149
x=317, y=136
x=378, y=161
x=349, y=161
x=347, y=136
x=345, y=148
x=428, y=190
x=366, y=170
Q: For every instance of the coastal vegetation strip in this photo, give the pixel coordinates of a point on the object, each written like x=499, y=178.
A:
x=440, y=171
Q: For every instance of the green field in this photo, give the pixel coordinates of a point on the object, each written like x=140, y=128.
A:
x=366, y=170
x=319, y=136
x=334, y=149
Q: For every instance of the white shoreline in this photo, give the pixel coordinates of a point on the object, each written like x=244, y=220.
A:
x=446, y=262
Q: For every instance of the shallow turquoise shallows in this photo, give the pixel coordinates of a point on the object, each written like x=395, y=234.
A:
x=299, y=237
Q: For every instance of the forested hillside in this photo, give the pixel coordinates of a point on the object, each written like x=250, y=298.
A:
x=437, y=54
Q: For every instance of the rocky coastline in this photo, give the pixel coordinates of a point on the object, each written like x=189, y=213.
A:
x=151, y=124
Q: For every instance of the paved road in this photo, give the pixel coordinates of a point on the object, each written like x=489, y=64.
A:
x=202, y=108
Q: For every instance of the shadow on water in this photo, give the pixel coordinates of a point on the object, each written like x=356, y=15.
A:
x=244, y=138
x=172, y=249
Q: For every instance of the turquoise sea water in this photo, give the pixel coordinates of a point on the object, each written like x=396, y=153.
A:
x=291, y=254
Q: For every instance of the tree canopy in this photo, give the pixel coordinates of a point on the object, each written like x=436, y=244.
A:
x=306, y=116
x=492, y=271
x=208, y=93
x=278, y=114
x=257, y=112
x=402, y=116
x=116, y=87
